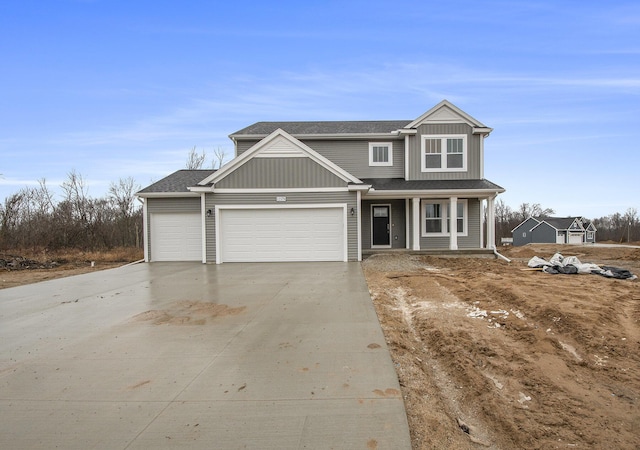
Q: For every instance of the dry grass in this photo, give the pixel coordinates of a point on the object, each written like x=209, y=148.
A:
x=72, y=255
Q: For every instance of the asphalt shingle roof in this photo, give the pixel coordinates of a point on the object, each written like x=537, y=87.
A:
x=398, y=184
x=178, y=181
x=330, y=127
x=560, y=223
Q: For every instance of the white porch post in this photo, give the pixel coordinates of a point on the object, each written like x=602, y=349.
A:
x=482, y=220
x=415, y=240
x=491, y=223
x=453, y=223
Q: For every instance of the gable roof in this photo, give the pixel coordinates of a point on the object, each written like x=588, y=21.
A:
x=443, y=112
x=322, y=127
x=559, y=223
x=177, y=183
x=279, y=144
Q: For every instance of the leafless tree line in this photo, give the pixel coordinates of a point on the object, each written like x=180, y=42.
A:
x=615, y=227
x=32, y=218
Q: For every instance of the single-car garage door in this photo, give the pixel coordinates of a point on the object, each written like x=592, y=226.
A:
x=176, y=237
x=282, y=234
x=575, y=238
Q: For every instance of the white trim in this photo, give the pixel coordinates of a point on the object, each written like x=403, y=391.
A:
x=444, y=210
x=167, y=194
x=358, y=187
x=453, y=222
x=359, y=222
x=219, y=208
x=406, y=157
x=443, y=152
x=388, y=205
x=331, y=136
x=482, y=219
x=145, y=229
x=482, y=155
x=264, y=144
x=491, y=222
x=431, y=193
x=275, y=190
x=203, y=224
x=463, y=116
x=415, y=240
x=389, y=161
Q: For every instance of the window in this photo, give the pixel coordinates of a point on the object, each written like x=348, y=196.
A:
x=589, y=234
x=436, y=218
x=380, y=154
x=444, y=153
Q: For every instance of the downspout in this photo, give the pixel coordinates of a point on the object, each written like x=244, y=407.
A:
x=499, y=256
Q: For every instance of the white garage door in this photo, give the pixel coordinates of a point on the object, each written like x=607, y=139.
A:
x=176, y=237
x=575, y=238
x=282, y=234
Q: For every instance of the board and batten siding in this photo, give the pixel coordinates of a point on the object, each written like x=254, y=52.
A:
x=398, y=222
x=351, y=155
x=292, y=198
x=473, y=152
x=169, y=205
x=471, y=240
x=284, y=173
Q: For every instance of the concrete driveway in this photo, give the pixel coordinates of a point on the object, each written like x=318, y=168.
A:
x=172, y=355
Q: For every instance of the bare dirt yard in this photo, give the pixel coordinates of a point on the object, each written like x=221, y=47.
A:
x=19, y=267
x=493, y=356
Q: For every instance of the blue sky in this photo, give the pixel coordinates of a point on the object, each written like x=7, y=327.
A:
x=113, y=89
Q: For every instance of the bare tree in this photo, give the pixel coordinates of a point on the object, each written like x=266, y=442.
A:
x=195, y=160
x=220, y=154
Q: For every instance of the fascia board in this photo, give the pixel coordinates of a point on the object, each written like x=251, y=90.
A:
x=546, y=223
x=466, y=117
x=523, y=222
x=432, y=193
x=360, y=187
x=167, y=194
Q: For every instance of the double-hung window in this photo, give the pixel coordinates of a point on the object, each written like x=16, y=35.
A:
x=444, y=153
x=436, y=216
x=380, y=154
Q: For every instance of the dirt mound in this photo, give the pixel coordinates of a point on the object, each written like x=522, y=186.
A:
x=522, y=359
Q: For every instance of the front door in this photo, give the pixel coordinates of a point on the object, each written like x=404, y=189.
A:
x=381, y=226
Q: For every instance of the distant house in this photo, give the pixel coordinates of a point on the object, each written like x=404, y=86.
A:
x=554, y=230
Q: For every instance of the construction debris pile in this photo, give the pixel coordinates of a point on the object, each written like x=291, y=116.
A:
x=10, y=262
x=572, y=265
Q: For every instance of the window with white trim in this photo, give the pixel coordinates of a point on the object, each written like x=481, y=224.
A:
x=435, y=215
x=380, y=154
x=444, y=153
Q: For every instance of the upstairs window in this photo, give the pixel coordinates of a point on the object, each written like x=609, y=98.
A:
x=444, y=153
x=380, y=154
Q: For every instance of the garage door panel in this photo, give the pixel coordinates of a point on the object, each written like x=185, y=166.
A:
x=176, y=237
x=284, y=234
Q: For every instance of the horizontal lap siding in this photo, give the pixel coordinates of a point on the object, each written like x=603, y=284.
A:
x=169, y=205
x=280, y=173
x=293, y=198
x=473, y=152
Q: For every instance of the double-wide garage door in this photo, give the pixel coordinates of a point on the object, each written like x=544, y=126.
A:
x=282, y=234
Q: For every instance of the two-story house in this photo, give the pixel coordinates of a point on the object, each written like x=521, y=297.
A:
x=326, y=191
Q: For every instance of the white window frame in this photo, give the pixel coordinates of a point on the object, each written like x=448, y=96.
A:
x=444, y=207
x=389, y=146
x=590, y=235
x=443, y=156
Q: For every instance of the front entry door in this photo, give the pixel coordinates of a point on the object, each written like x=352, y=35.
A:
x=381, y=226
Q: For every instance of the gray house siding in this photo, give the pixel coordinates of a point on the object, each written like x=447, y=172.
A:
x=522, y=233
x=280, y=173
x=350, y=198
x=473, y=152
x=169, y=205
x=398, y=222
x=471, y=240
x=544, y=233
x=351, y=155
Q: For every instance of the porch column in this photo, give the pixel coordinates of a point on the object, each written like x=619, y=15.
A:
x=415, y=240
x=453, y=223
x=491, y=223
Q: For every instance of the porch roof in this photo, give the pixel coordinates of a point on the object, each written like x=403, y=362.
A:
x=400, y=184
